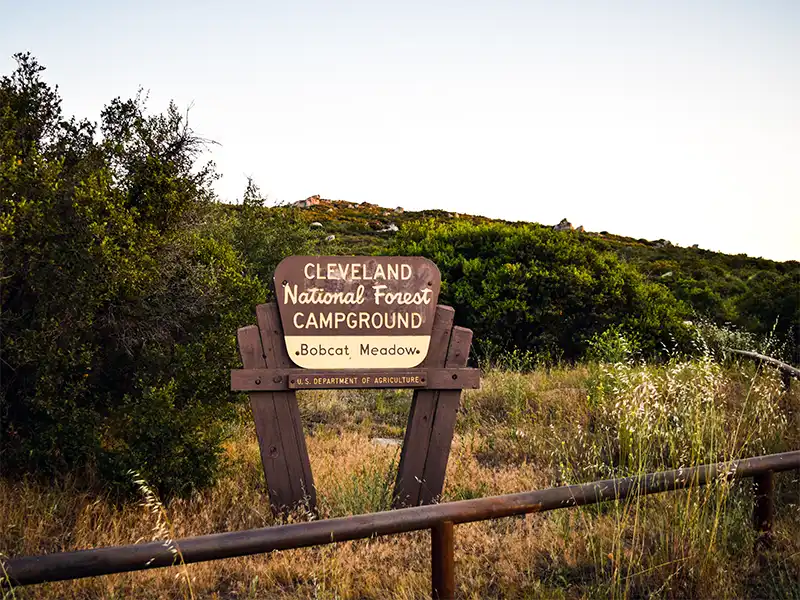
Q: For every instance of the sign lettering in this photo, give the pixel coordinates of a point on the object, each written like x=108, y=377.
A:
x=358, y=379
x=345, y=312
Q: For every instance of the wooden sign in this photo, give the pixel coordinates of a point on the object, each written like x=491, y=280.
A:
x=354, y=322
x=357, y=312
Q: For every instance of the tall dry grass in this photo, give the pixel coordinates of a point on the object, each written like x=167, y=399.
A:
x=519, y=432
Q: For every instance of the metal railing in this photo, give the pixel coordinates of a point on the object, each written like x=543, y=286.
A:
x=787, y=371
x=439, y=518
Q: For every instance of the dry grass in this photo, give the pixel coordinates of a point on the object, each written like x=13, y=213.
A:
x=518, y=432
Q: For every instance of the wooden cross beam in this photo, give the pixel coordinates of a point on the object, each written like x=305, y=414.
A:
x=261, y=380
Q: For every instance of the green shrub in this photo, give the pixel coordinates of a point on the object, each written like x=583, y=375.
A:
x=492, y=356
x=612, y=346
x=543, y=291
x=122, y=289
x=754, y=295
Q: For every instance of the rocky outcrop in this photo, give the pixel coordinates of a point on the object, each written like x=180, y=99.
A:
x=310, y=201
x=564, y=225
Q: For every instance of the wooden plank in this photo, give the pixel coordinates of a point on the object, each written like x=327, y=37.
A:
x=273, y=380
x=269, y=321
x=261, y=380
x=460, y=344
x=250, y=347
x=286, y=408
x=267, y=338
x=262, y=405
x=440, y=337
x=420, y=417
x=787, y=371
x=454, y=378
x=444, y=422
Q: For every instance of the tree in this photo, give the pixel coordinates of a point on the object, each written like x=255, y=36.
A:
x=120, y=296
x=264, y=236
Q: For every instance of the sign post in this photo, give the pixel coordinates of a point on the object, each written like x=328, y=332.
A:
x=354, y=322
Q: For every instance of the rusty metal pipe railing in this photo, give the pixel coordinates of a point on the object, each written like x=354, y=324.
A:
x=787, y=371
x=103, y=561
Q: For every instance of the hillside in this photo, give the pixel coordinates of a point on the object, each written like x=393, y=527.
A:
x=367, y=228
x=754, y=295
x=363, y=223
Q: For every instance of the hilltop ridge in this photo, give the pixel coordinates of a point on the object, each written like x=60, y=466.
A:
x=756, y=295
x=353, y=220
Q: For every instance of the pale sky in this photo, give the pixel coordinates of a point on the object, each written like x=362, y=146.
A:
x=652, y=119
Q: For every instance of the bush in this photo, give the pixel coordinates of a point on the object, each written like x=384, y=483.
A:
x=753, y=295
x=612, y=346
x=122, y=291
x=544, y=291
x=770, y=308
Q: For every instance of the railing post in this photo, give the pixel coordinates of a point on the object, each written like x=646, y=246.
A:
x=443, y=583
x=787, y=381
x=764, y=509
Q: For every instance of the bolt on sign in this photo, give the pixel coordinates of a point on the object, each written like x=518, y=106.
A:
x=357, y=312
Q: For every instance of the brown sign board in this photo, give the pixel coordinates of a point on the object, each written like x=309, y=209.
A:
x=357, y=312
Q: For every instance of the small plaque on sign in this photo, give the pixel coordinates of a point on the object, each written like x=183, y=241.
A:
x=390, y=379
x=357, y=312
